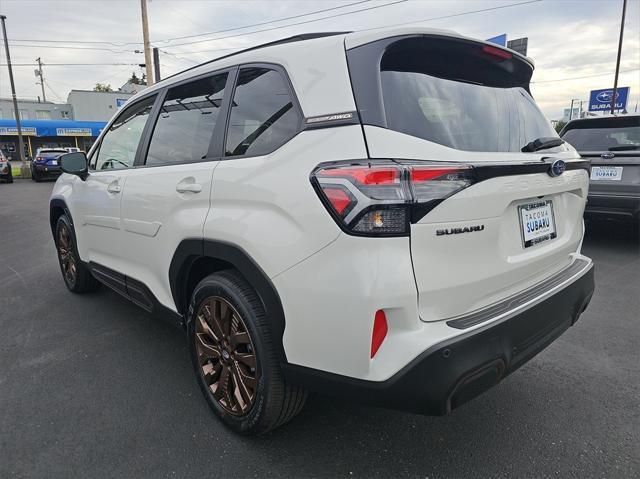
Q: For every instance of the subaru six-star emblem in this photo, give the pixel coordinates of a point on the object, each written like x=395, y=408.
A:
x=607, y=96
x=557, y=168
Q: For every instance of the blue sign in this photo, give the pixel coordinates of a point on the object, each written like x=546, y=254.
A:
x=120, y=102
x=499, y=40
x=52, y=128
x=600, y=100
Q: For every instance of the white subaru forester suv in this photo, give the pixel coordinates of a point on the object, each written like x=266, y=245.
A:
x=385, y=216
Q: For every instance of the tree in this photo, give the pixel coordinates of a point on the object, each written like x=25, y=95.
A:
x=134, y=80
x=102, y=87
x=560, y=125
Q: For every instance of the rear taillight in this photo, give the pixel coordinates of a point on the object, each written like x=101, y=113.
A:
x=39, y=158
x=382, y=198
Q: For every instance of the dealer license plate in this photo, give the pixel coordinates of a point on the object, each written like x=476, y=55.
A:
x=609, y=173
x=537, y=223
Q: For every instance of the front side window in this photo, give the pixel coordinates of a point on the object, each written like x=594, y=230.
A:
x=263, y=116
x=120, y=143
x=187, y=119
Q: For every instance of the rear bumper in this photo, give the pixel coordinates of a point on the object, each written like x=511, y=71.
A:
x=44, y=170
x=452, y=372
x=613, y=205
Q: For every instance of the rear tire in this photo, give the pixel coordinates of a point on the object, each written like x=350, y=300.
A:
x=228, y=333
x=76, y=275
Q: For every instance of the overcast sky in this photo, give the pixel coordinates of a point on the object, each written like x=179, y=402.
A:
x=567, y=39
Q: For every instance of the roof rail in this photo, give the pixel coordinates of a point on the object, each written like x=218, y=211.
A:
x=295, y=38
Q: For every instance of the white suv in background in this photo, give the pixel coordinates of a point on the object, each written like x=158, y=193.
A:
x=385, y=216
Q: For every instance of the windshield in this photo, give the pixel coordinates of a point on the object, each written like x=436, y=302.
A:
x=462, y=115
x=602, y=139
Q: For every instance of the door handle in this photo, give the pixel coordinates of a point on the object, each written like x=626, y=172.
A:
x=188, y=185
x=113, y=187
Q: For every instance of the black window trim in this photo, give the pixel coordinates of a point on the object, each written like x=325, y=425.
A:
x=294, y=99
x=218, y=139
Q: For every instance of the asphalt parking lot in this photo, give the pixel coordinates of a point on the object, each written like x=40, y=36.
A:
x=91, y=386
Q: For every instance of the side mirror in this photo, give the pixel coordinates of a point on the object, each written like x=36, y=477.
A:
x=74, y=164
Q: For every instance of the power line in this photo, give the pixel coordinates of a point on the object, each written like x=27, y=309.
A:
x=68, y=64
x=262, y=23
x=67, y=47
x=113, y=75
x=482, y=10
x=124, y=44
x=586, y=76
x=52, y=90
x=288, y=25
x=93, y=42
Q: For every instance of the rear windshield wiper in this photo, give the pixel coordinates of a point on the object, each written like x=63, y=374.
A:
x=542, y=144
x=624, y=147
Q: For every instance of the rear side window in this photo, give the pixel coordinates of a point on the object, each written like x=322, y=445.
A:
x=186, y=122
x=263, y=116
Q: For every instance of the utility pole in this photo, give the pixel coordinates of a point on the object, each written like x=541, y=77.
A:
x=571, y=108
x=615, y=81
x=147, y=46
x=156, y=64
x=39, y=74
x=24, y=170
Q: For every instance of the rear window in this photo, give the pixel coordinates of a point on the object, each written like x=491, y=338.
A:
x=460, y=94
x=614, y=134
x=52, y=152
x=456, y=102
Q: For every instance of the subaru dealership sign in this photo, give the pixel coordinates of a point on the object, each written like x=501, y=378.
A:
x=600, y=100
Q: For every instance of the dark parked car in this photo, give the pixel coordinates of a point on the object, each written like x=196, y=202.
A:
x=5, y=169
x=612, y=143
x=45, y=164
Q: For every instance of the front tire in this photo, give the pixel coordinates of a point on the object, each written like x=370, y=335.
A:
x=234, y=357
x=76, y=275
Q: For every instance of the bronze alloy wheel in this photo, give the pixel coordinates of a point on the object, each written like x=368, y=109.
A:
x=226, y=355
x=65, y=250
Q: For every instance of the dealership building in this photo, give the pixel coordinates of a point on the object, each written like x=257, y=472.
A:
x=47, y=134
x=76, y=123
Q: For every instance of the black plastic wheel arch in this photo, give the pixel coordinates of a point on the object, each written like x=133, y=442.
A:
x=190, y=250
